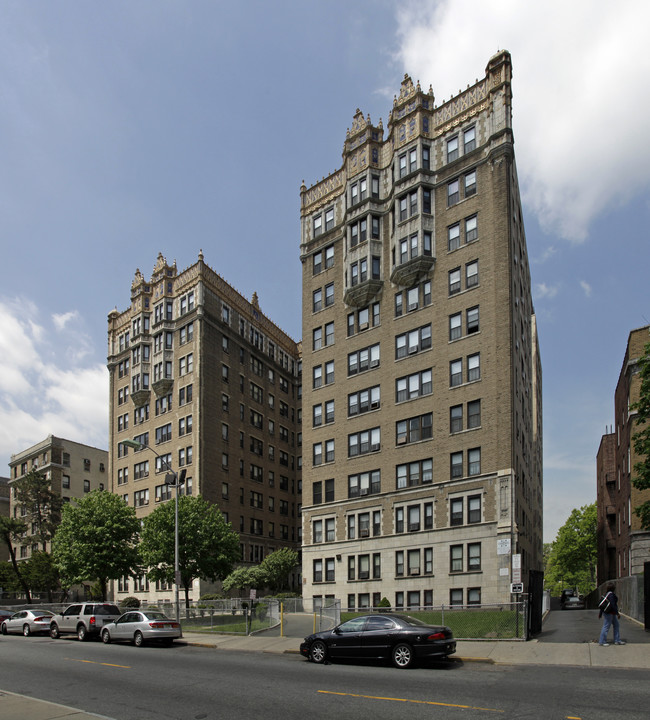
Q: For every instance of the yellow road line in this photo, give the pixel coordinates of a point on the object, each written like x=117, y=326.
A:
x=406, y=700
x=92, y=662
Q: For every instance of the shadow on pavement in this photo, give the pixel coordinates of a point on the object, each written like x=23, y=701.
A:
x=583, y=626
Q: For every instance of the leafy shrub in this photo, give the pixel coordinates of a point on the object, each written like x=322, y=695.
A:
x=130, y=602
x=384, y=603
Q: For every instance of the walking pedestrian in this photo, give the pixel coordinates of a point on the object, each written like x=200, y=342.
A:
x=609, y=611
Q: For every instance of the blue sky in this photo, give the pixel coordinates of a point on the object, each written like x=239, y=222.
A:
x=146, y=126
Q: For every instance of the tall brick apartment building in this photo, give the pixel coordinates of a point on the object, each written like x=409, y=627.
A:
x=623, y=546
x=422, y=374
x=204, y=379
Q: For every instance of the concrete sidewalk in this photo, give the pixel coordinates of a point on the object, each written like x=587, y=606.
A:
x=20, y=707
x=496, y=651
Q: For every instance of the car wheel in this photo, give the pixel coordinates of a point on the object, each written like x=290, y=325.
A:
x=82, y=633
x=106, y=637
x=4, y=628
x=54, y=631
x=402, y=655
x=26, y=631
x=138, y=640
x=318, y=652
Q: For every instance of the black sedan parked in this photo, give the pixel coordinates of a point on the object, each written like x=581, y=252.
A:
x=401, y=638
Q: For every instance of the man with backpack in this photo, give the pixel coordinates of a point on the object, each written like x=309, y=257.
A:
x=609, y=611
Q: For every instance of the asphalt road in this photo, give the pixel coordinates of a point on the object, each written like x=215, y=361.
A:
x=580, y=626
x=190, y=683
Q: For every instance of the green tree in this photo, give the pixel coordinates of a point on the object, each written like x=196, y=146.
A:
x=276, y=568
x=8, y=580
x=244, y=577
x=641, y=439
x=208, y=546
x=572, y=558
x=42, y=573
x=12, y=530
x=43, y=506
x=97, y=540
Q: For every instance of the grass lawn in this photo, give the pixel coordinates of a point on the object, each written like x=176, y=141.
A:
x=469, y=624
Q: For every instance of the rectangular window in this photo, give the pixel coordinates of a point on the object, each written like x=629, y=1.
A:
x=452, y=149
x=399, y=563
x=364, y=401
x=414, y=429
x=472, y=320
x=474, y=414
x=330, y=570
x=364, y=442
x=456, y=463
x=470, y=184
x=471, y=229
x=413, y=342
x=413, y=386
x=474, y=509
x=474, y=461
x=471, y=274
x=456, y=511
x=455, y=418
x=453, y=192
x=366, y=483
x=453, y=236
x=455, y=326
x=469, y=139
x=329, y=294
x=473, y=557
x=473, y=367
x=318, y=571
x=364, y=359
x=454, y=281
x=456, y=558
x=455, y=373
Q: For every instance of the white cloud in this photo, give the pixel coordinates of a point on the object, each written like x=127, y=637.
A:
x=45, y=388
x=60, y=321
x=550, y=251
x=586, y=287
x=580, y=102
x=542, y=291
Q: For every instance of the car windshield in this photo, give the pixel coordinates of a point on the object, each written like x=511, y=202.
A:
x=42, y=612
x=155, y=616
x=107, y=610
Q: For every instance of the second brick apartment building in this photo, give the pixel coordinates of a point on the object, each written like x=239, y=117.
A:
x=208, y=383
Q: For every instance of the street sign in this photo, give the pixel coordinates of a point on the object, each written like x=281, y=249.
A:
x=516, y=568
x=516, y=588
x=503, y=546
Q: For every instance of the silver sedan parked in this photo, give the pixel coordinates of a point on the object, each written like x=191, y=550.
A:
x=27, y=622
x=140, y=626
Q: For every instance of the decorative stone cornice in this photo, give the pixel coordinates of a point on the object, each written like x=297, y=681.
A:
x=362, y=294
x=408, y=273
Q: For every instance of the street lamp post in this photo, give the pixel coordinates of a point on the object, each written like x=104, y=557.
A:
x=173, y=479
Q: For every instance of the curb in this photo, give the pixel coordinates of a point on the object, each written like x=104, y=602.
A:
x=489, y=661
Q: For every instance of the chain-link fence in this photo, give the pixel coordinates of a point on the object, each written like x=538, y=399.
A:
x=502, y=621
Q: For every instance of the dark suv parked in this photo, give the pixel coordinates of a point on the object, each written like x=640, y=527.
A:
x=84, y=619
